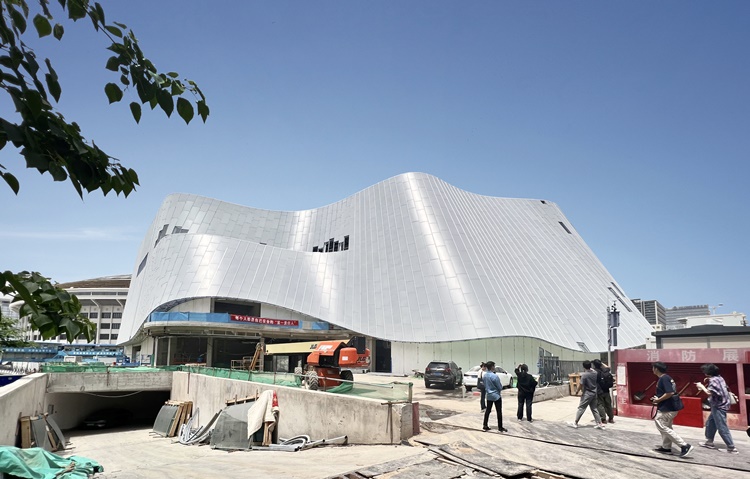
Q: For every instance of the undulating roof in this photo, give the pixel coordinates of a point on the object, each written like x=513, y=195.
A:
x=411, y=258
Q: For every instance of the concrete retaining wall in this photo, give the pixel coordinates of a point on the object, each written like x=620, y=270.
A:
x=317, y=414
x=24, y=397
x=551, y=392
x=101, y=382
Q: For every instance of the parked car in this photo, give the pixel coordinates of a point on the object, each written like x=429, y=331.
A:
x=446, y=373
x=106, y=418
x=471, y=377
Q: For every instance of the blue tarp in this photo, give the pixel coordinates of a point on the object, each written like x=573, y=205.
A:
x=9, y=378
x=36, y=463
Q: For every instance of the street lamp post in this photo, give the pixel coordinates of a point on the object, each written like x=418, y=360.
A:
x=613, y=322
x=713, y=308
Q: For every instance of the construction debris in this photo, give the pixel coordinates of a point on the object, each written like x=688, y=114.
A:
x=245, y=424
x=41, y=431
x=172, y=416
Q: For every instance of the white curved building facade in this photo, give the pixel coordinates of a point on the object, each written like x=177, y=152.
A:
x=412, y=261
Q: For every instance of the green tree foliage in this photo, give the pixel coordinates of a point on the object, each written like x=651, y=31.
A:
x=46, y=140
x=51, y=144
x=10, y=334
x=51, y=310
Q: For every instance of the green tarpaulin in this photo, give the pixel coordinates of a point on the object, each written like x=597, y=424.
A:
x=36, y=463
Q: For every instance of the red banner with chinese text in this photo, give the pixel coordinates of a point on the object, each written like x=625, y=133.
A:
x=264, y=321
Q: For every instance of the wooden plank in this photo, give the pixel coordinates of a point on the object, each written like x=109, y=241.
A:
x=589, y=462
x=179, y=419
x=25, y=432
x=62, y=442
x=432, y=469
x=173, y=426
x=231, y=402
x=256, y=356
x=489, y=464
x=390, y=466
x=53, y=443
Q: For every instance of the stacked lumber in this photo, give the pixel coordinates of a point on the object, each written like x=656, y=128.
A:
x=182, y=415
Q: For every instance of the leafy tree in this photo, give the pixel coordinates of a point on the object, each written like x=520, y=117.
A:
x=51, y=310
x=10, y=335
x=51, y=144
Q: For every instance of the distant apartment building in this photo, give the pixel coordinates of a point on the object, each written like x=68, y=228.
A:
x=102, y=301
x=676, y=313
x=653, y=311
x=5, y=310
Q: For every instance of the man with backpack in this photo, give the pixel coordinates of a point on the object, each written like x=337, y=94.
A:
x=588, y=397
x=666, y=410
x=604, y=381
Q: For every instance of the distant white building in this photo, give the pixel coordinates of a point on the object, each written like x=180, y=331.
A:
x=5, y=309
x=102, y=301
x=676, y=314
x=730, y=319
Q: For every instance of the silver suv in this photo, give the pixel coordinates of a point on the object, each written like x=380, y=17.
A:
x=446, y=373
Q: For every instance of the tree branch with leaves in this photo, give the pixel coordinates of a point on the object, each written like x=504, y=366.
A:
x=51, y=144
x=10, y=333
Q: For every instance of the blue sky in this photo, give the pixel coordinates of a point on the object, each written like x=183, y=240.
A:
x=632, y=117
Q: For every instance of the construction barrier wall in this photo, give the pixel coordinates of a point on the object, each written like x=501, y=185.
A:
x=24, y=397
x=634, y=375
x=314, y=413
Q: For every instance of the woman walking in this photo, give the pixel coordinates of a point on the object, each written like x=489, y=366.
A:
x=718, y=399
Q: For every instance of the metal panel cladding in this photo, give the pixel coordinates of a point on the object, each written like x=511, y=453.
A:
x=425, y=262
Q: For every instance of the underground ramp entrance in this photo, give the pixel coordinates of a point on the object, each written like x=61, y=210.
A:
x=93, y=411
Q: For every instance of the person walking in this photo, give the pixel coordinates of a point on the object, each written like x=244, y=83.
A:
x=718, y=399
x=480, y=386
x=526, y=386
x=666, y=411
x=588, y=397
x=493, y=387
x=604, y=381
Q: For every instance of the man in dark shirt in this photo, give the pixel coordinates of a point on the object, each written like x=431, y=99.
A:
x=666, y=412
x=526, y=388
x=588, y=398
x=603, y=398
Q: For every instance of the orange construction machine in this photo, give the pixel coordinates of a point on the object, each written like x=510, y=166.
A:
x=325, y=364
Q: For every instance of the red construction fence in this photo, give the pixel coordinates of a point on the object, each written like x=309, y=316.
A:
x=634, y=375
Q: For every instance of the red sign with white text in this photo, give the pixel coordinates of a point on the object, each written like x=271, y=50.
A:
x=265, y=321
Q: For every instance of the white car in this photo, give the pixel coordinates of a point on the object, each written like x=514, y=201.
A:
x=472, y=376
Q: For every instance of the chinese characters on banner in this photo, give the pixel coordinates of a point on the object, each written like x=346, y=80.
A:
x=264, y=321
x=692, y=355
